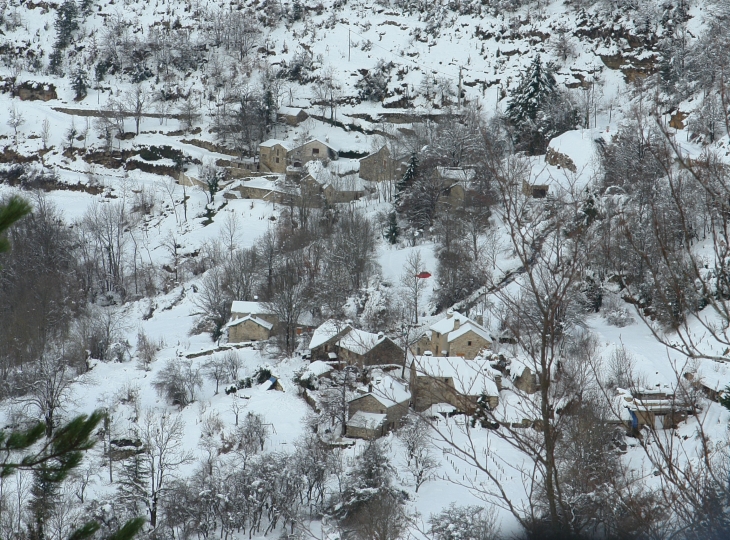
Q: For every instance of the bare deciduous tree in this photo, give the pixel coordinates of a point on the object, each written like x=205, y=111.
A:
x=162, y=436
x=413, y=285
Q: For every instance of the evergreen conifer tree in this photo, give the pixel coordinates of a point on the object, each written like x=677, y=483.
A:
x=66, y=23
x=80, y=83
x=392, y=232
x=10, y=212
x=535, y=88
x=133, y=484
x=51, y=460
x=408, y=178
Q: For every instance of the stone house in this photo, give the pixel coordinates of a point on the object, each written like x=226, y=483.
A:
x=536, y=191
x=310, y=151
x=292, y=116
x=459, y=187
x=710, y=377
x=333, y=188
x=365, y=425
x=382, y=166
x=456, y=335
x=657, y=407
x=249, y=328
x=384, y=395
x=273, y=155
x=354, y=347
x=455, y=380
x=526, y=380
x=251, y=321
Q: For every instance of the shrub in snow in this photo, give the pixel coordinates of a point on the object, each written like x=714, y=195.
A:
x=614, y=313
x=464, y=523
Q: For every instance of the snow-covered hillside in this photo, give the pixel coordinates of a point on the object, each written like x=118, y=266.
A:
x=583, y=232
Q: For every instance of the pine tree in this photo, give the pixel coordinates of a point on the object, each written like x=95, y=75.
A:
x=133, y=484
x=66, y=23
x=535, y=88
x=80, y=83
x=10, y=212
x=408, y=178
x=392, y=232
x=51, y=462
x=44, y=493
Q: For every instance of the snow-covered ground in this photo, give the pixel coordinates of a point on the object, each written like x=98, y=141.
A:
x=362, y=34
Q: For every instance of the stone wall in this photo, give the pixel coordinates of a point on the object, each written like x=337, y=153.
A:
x=247, y=331
x=468, y=345
x=427, y=391
x=368, y=403
x=385, y=352
x=268, y=157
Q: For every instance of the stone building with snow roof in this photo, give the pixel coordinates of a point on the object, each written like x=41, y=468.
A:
x=273, y=155
x=334, y=339
x=365, y=425
x=460, y=382
x=334, y=188
x=310, y=151
x=250, y=321
x=455, y=335
x=384, y=395
x=382, y=166
x=711, y=377
x=249, y=328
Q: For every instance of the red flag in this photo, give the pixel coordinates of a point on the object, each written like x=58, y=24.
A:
x=423, y=275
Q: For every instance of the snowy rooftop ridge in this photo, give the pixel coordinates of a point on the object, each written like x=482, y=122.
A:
x=248, y=307
x=366, y=420
x=470, y=377
x=253, y=318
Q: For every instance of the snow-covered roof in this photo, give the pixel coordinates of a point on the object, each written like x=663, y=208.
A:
x=366, y=420
x=340, y=178
x=253, y=318
x=518, y=364
x=320, y=141
x=446, y=326
x=273, y=142
x=244, y=306
x=317, y=368
x=579, y=147
x=359, y=341
x=515, y=408
x=469, y=327
x=470, y=377
x=326, y=331
x=713, y=375
x=457, y=174
x=386, y=389
x=284, y=109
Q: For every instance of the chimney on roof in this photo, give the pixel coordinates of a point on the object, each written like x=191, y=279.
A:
x=457, y=323
x=370, y=388
x=449, y=313
x=381, y=335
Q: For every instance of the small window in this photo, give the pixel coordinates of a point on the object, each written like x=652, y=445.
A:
x=315, y=151
x=277, y=152
x=384, y=163
x=468, y=343
x=277, y=160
